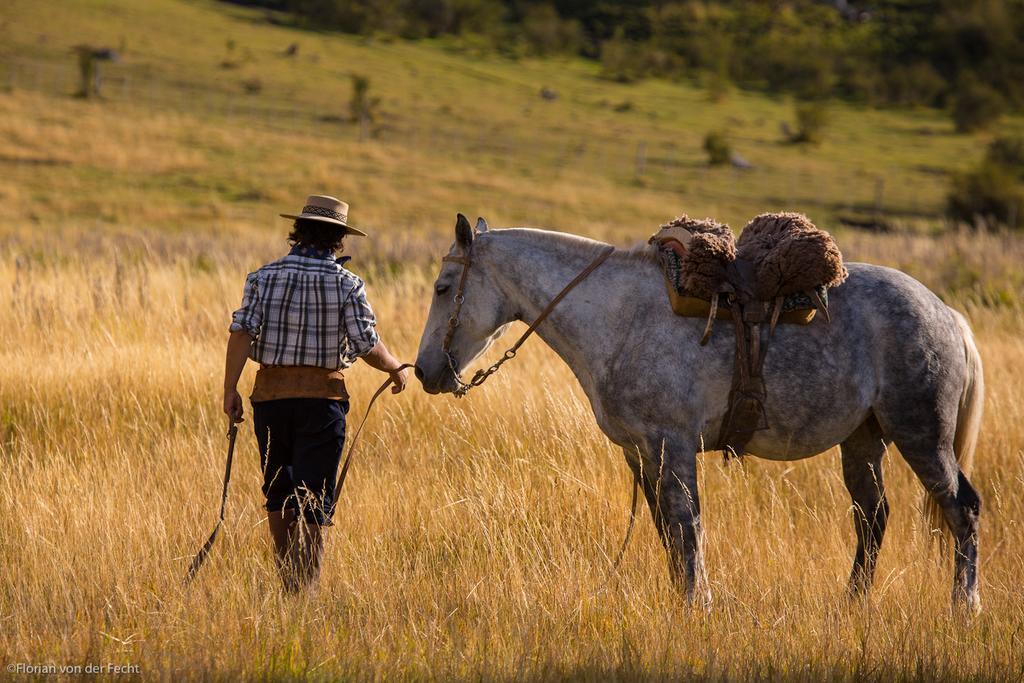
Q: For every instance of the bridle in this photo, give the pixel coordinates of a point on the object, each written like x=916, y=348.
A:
x=481, y=376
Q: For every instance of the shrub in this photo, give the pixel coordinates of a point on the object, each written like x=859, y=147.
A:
x=621, y=59
x=976, y=106
x=914, y=84
x=87, y=70
x=1007, y=151
x=362, y=107
x=717, y=146
x=993, y=192
x=547, y=33
x=811, y=118
x=252, y=86
x=989, y=194
x=797, y=64
x=89, y=59
x=717, y=84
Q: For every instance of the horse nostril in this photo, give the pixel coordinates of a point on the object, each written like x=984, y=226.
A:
x=419, y=373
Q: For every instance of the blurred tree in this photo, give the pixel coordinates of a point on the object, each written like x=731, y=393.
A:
x=914, y=84
x=89, y=74
x=547, y=33
x=1008, y=152
x=903, y=52
x=362, y=107
x=620, y=59
x=717, y=147
x=976, y=106
x=992, y=194
x=811, y=118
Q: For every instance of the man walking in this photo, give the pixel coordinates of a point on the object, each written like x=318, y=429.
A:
x=304, y=318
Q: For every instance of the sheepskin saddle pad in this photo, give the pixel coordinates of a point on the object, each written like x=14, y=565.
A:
x=780, y=258
x=778, y=271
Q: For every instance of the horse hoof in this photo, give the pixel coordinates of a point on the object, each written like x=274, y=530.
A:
x=702, y=601
x=966, y=605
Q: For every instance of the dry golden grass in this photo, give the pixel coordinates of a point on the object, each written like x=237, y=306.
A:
x=472, y=534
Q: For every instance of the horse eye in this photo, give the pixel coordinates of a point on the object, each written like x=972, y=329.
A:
x=441, y=289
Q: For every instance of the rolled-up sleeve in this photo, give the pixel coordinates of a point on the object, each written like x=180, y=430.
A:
x=249, y=317
x=359, y=326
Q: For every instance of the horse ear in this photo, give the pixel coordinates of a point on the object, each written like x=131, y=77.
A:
x=481, y=224
x=463, y=232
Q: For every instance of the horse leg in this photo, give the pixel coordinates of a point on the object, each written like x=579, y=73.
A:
x=862, y=454
x=670, y=486
x=936, y=466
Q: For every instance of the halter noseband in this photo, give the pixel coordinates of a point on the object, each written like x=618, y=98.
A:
x=453, y=321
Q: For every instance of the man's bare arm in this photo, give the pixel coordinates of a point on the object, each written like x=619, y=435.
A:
x=379, y=358
x=234, y=363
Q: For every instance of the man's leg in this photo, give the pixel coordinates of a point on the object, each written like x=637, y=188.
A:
x=273, y=436
x=308, y=552
x=319, y=440
x=282, y=530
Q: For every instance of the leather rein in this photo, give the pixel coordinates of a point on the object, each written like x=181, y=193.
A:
x=478, y=379
x=460, y=296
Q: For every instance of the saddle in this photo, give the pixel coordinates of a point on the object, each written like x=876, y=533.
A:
x=778, y=272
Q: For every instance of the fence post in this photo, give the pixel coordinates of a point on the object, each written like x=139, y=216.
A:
x=641, y=159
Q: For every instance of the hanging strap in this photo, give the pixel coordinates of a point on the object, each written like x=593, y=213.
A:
x=359, y=430
x=204, y=552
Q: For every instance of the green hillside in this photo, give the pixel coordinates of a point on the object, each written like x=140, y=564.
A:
x=206, y=122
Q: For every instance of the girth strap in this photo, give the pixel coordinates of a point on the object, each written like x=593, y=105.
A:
x=745, y=413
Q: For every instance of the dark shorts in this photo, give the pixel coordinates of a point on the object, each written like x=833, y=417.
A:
x=300, y=442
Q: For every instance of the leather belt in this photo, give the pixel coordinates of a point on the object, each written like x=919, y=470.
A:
x=298, y=381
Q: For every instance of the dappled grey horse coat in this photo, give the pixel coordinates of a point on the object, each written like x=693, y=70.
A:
x=895, y=365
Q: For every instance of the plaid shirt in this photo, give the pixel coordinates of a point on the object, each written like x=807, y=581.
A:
x=306, y=309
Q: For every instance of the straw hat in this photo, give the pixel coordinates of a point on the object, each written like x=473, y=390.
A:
x=326, y=209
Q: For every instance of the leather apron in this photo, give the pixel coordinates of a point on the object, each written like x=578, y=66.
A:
x=297, y=381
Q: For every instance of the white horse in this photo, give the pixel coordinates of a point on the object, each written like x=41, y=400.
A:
x=894, y=365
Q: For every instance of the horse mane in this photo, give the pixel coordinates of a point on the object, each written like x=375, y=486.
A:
x=641, y=251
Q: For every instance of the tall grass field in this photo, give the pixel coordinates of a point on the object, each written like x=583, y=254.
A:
x=474, y=536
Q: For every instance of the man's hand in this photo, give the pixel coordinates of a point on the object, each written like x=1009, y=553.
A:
x=399, y=379
x=233, y=405
x=381, y=359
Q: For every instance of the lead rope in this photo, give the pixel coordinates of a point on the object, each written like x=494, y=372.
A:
x=232, y=432
x=632, y=506
x=204, y=552
x=359, y=430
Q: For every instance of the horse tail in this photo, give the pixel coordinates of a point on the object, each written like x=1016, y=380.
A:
x=968, y=418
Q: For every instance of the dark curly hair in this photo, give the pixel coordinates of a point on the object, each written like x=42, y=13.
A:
x=317, y=234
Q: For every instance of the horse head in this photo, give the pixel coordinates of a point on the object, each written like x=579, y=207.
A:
x=467, y=312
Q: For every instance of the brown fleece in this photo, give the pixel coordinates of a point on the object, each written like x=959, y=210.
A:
x=712, y=249
x=790, y=255
x=704, y=266
x=698, y=225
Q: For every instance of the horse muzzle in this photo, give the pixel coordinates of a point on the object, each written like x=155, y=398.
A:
x=436, y=381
